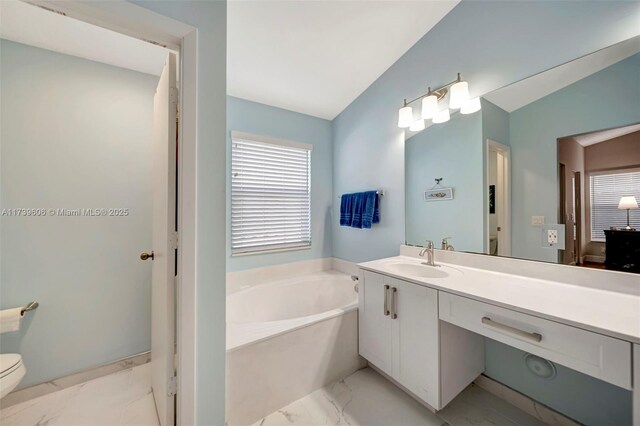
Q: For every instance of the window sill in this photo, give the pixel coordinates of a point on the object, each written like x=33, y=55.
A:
x=268, y=251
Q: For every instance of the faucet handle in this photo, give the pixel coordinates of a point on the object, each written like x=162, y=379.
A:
x=445, y=244
x=429, y=244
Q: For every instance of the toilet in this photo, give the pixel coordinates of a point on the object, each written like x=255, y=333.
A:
x=12, y=370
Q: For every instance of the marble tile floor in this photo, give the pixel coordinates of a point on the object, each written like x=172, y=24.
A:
x=367, y=399
x=123, y=398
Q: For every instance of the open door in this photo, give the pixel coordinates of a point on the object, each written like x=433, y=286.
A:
x=163, y=301
x=498, y=174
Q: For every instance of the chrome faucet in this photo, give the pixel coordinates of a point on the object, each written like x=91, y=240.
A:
x=428, y=250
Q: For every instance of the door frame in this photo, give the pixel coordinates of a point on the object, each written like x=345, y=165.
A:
x=135, y=21
x=504, y=237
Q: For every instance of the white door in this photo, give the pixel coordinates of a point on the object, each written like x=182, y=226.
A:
x=375, y=320
x=415, y=336
x=164, y=243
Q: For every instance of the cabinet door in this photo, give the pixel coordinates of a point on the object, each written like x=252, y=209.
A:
x=374, y=325
x=416, y=340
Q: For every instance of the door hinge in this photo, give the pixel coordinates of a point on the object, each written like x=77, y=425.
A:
x=172, y=386
x=173, y=240
x=173, y=95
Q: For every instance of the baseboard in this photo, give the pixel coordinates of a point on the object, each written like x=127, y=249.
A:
x=25, y=394
x=524, y=403
x=593, y=258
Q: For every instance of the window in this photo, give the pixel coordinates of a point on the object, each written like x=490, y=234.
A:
x=606, y=191
x=270, y=194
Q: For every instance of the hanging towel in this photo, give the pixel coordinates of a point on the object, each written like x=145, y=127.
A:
x=358, y=208
x=370, y=211
x=346, y=209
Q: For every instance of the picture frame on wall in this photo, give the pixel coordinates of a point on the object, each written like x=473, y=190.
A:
x=438, y=194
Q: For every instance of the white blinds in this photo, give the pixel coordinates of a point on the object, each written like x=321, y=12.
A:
x=270, y=194
x=606, y=191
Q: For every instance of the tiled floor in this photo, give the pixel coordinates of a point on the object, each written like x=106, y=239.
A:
x=367, y=399
x=122, y=398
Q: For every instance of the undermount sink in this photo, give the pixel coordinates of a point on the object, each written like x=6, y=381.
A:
x=422, y=271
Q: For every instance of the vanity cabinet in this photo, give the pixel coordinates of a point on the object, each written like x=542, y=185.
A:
x=599, y=356
x=400, y=334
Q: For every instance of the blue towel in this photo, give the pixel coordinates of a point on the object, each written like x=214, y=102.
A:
x=370, y=210
x=358, y=209
x=346, y=209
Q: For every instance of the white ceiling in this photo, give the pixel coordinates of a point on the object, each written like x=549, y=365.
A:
x=605, y=135
x=34, y=26
x=316, y=57
x=523, y=92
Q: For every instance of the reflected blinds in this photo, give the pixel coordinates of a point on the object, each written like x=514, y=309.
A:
x=606, y=191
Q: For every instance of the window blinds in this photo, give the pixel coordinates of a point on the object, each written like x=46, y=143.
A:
x=606, y=191
x=270, y=194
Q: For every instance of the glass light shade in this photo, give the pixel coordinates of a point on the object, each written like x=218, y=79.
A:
x=405, y=117
x=442, y=116
x=628, y=203
x=417, y=125
x=429, y=107
x=459, y=95
x=470, y=107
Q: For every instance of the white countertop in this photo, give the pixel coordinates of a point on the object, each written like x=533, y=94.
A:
x=606, y=312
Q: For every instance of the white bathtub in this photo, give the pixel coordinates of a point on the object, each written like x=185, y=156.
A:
x=270, y=309
x=286, y=339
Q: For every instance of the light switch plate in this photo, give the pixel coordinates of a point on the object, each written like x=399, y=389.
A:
x=552, y=236
x=537, y=220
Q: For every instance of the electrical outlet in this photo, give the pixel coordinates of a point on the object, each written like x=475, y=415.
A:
x=552, y=236
x=537, y=220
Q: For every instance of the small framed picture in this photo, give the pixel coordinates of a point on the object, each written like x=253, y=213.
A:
x=439, y=194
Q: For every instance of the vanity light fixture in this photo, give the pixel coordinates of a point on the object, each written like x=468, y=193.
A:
x=417, y=126
x=458, y=91
x=442, y=116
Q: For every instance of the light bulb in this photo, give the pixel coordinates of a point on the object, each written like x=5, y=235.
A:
x=442, y=116
x=459, y=95
x=429, y=107
x=405, y=117
x=470, y=107
x=417, y=125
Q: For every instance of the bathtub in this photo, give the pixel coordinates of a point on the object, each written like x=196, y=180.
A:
x=287, y=338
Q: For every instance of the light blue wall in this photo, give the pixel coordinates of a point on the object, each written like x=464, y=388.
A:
x=492, y=44
x=210, y=20
x=264, y=120
x=609, y=98
x=583, y=398
x=75, y=134
x=452, y=151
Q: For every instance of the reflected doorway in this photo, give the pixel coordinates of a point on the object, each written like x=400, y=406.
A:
x=498, y=236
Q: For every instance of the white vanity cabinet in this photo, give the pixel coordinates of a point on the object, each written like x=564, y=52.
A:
x=400, y=334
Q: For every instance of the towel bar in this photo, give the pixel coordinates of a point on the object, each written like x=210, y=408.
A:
x=30, y=307
x=380, y=192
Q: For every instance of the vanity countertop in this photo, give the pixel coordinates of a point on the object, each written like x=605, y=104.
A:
x=606, y=312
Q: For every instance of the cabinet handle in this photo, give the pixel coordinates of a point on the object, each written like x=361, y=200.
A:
x=536, y=337
x=386, y=302
x=394, y=303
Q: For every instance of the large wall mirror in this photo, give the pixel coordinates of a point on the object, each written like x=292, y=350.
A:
x=547, y=170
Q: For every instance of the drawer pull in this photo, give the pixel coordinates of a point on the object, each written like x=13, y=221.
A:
x=386, y=302
x=394, y=303
x=536, y=337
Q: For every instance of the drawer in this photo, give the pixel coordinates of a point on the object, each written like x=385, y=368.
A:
x=591, y=353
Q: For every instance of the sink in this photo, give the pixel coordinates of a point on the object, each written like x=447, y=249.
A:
x=422, y=271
